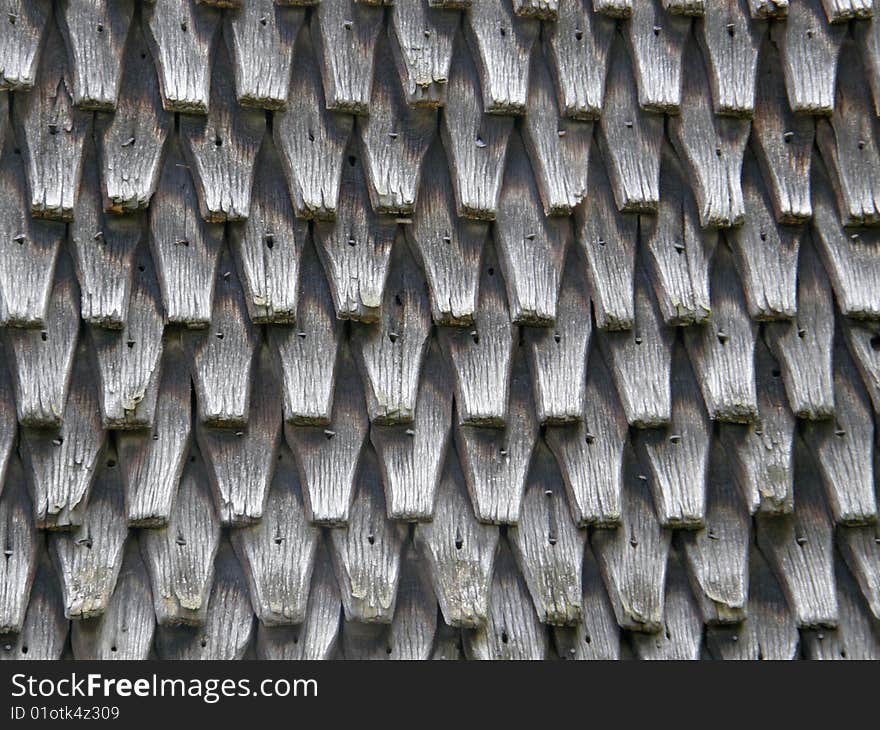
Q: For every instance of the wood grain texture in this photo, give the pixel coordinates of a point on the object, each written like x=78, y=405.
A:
x=640, y=361
x=153, y=459
x=307, y=352
x=540, y=9
x=501, y=43
x=761, y=452
x=448, y=249
x=615, y=8
x=841, y=11
x=366, y=552
x=411, y=456
x=328, y=457
x=860, y=549
x=868, y=39
x=766, y=254
x=608, y=239
x=722, y=351
x=180, y=556
x=7, y=420
x=496, y=460
x=422, y=42
x=181, y=36
x=131, y=141
x=345, y=35
x=185, y=249
x=459, y=552
x=864, y=345
x=260, y=39
x=768, y=8
x=311, y=140
x=277, y=553
x=356, y=249
x=633, y=557
x=590, y=453
x=62, y=460
x=240, y=462
x=577, y=51
x=630, y=140
x=21, y=41
x=95, y=33
x=677, y=250
x=656, y=42
x=548, y=545
x=19, y=538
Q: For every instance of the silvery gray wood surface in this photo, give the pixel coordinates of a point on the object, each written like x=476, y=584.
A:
x=7, y=419
x=390, y=352
x=475, y=142
x=103, y=248
x=450, y=4
x=496, y=460
x=307, y=351
x=633, y=556
x=840, y=11
x=267, y=247
x=558, y=355
x=614, y=8
x=577, y=48
x=366, y=552
x=21, y=41
x=804, y=345
x=548, y=545
x=630, y=139
x=677, y=455
x=223, y=356
x=459, y=552
x=393, y=141
x=19, y=538
x=848, y=145
x=717, y=555
x=849, y=256
x=730, y=41
x=240, y=462
x=656, y=41
x=640, y=361
x=328, y=456
x=125, y=630
x=768, y=8
x=608, y=239
x=843, y=447
x=697, y=8
x=356, y=249
x=448, y=249
x=345, y=35
x=860, y=549
x=41, y=360
x=89, y=557
x=180, y=556
x=131, y=141
x=411, y=456
x=184, y=247
x=501, y=43
x=512, y=631
x=62, y=460
x=531, y=247
x=799, y=548
x=712, y=149
x=783, y=143
x=181, y=36
x=95, y=33
x=26, y=268
x=316, y=637
x=447, y=643
x=277, y=553
x=558, y=147
x=540, y=9
x=311, y=139
x=680, y=637
x=129, y=360
x=761, y=451
x=677, y=251
x=480, y=356
x=590, y=453
x=766, y=254
x=863, y=341
x=228, y=622
x=260, y=39
x=422, y=42
x=868, y=38
x=722, y=351
x=153, y=459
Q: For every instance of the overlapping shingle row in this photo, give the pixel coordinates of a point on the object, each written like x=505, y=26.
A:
x=496, y=329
